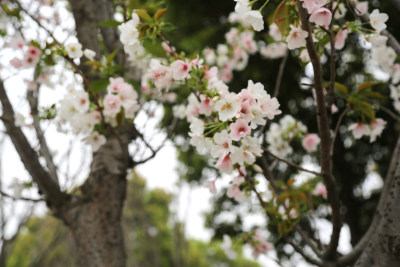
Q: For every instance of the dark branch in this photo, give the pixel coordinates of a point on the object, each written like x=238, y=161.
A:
x=324, y=133
x=29, y=157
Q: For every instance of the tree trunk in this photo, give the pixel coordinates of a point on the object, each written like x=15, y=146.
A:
x=96, y=224
x=383, y=248
x=94, y=213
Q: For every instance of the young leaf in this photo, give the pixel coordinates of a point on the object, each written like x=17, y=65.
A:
x=365, y=85
x=109, y=23
x=341, y=88
x=143, y=14
x=281, y=17
x=99, y=85
x=160, y=13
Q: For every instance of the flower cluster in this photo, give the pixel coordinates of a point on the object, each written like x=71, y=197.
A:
x=234, y=54
x=121, y=95
x=31, y=54
x=259, y=243
x=229, y=138
x=75, y=108
x=281, y=134
x=130, y=38
x=74, y=51
x=276, y=49
x=373, y=130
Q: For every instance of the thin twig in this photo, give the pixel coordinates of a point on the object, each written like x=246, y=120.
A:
x=389, y=112
x=291, y=163
x=280, y=74
x=155, y=151
x=21, y=198
x=337, y=129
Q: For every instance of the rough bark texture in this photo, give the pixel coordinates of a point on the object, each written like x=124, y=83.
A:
x=383, y=247
x=95, y=217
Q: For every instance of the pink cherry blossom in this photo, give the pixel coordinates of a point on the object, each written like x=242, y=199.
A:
x=180, y=69
x=377, y=127
x=234, y=192
x=225, y=164
x=261, y=245
x=310, y=142
x=239, y=129
x=167, y=48
x=211, y=186
x=17, y=43
x=361, y=7
x=321, y=16
x=269, y=106
x=205, y=107
x=359, y=129
x=33, y=51
x=238, y=180
x=312, y=5
x=115, y=84
x=112, y=104
x=296, y=38
x=341, y=38
x=16, y=63
x=320, y=190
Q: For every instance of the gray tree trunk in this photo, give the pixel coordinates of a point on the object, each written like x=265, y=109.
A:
x=383, y=244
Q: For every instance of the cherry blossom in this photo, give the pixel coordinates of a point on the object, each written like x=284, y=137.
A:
x=112, y=104
x=296, y=38
x=228, y=106
x=255, y=18
x=239, y=129
x=90, y=54
x=359, y=129
x=211, y=186
x=310, y=142
x=321, y=16
x=180, y=70
x=95, y=140
x=378, y=20
x=377, y=127
x=320, y=190
x=74, y=50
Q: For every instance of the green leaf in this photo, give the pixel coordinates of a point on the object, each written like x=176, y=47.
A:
x=281, y=16
x=143, y=14
x=341, y=88
x=93, y=63
x=365, y=85
x=160, y=13
x=111, y=56
x=11, y=12
x=99, y=85
x=109, y=23
x=367, y=109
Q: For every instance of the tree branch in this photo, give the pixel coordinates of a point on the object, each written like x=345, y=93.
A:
x=280, y=74
x=44, y=148
x=29, y=157
x=291, y=163
x=337, y=129
x=324, y=133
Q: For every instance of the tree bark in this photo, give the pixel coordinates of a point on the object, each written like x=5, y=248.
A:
x=94, y=214
x=96, y=223
x=383, y=247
